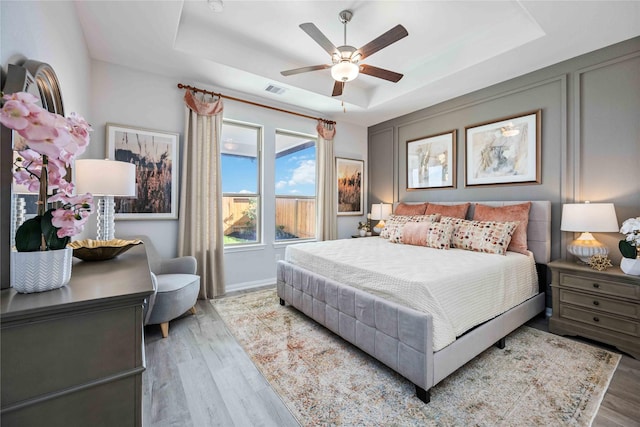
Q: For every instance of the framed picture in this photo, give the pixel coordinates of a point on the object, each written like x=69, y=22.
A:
x=155, y=155
x=431, y=161
x=504, y=152
x=350, y=175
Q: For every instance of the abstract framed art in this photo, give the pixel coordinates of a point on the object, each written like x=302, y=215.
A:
x=350, y=174
x=504, y=152
x=155, y=155
x=431, y=161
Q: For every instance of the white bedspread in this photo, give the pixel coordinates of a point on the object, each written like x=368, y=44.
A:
x=460, y=289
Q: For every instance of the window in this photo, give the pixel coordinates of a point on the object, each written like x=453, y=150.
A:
x=240, y=163
x=295, y=173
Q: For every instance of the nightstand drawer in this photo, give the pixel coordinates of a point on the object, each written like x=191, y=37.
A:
x=600, y=320
x=602, y=304
x=603, y=287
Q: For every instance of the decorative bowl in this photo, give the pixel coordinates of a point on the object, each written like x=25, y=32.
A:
x=101, y=250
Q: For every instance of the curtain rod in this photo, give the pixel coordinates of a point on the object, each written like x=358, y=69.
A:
x=195, y=89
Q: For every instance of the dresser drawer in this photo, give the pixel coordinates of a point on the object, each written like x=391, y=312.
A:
x=71, y=351
x=600, y=320
x=597, y=302
x=598, y=286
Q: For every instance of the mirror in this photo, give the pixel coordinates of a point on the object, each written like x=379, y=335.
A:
x=39, y=79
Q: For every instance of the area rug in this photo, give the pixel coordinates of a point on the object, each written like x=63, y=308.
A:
x=539, y=379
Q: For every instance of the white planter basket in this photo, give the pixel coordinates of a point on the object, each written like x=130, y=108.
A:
x=40, y=271
x=630, y=266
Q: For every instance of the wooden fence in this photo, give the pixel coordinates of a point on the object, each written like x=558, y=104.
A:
x=294, y=215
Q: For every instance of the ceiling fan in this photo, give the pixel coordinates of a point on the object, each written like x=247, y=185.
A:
x=345, y=59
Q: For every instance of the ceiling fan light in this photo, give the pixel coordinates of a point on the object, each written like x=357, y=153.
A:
x=345, y=71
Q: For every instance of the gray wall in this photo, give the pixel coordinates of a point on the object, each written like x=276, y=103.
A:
x=590, y=138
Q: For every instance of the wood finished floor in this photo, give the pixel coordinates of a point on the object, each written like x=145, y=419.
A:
x=200, y=376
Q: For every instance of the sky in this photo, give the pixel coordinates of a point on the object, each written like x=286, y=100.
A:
x=295, y=174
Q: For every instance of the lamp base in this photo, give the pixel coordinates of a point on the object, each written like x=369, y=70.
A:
x=379, y=226
x=586, y=246
x=106, y=213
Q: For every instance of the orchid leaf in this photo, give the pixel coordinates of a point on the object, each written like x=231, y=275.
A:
x=29, y=235
x=51, y=233
x=627, y=249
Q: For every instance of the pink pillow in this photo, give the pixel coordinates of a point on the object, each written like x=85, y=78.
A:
x=406, y=209
x=519, y=213
x=392, y=229
x=429, y=234
x=455, y=211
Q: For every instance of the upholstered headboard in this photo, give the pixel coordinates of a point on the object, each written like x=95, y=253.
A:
x=538, y=230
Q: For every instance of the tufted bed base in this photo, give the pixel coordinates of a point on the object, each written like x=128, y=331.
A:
x=398, y=336
x=401, y=337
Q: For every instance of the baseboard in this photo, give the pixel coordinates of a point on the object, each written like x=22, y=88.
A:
x=250, y=285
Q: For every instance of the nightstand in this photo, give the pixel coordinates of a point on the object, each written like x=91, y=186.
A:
x=601, y=305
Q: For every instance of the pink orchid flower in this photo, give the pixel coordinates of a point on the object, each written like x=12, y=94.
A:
x=14, y=115
x=61, y=140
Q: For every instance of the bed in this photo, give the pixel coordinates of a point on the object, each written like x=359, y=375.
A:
x=422, y=340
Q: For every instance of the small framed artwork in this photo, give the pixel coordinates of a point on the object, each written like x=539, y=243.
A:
x=155, y=155
x=431, y=161
x=504, y=152
x=350, y=175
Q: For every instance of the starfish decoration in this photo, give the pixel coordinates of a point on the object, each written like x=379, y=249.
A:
x=600, y=262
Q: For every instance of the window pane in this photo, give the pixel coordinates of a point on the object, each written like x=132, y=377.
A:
x=240, y=165
x=295, y=172
x=240, y=218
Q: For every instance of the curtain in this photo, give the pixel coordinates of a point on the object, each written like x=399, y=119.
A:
x=200, y=232
x=327, y=181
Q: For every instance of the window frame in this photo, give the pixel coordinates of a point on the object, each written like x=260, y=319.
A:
x=314, y=138
x=259, y=195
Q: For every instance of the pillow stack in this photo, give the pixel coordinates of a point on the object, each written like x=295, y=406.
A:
x=492, y=230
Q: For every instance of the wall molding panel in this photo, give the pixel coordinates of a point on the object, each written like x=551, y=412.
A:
x=590, y=137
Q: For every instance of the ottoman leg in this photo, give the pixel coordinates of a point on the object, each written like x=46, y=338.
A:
x=192, y=310
x=164, y=327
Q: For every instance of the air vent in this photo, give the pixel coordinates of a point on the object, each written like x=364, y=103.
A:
x=275, y=89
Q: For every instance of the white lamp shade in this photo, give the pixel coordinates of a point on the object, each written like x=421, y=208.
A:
x=345, y=71
x=105, y=177
x=381, y=211
x=591, y=217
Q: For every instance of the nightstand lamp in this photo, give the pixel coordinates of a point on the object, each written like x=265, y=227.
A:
x=380, y=211
x=586, y=218
x=106, y=178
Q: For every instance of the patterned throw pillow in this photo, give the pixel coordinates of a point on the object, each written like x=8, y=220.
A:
x=481, y=236
x=396, y=221
x=430, y=234
x=414, y=209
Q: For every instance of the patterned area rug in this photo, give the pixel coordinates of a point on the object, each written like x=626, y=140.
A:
x=539, y=379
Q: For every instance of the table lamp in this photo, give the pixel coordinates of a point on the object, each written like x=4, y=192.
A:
x=380, y=211
x=105, y=178
x=586, y=218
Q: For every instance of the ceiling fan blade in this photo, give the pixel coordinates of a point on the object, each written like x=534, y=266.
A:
x=380, y=73
x=319, y=38
x=393, y=35
x=304, y=69
x=337, y=88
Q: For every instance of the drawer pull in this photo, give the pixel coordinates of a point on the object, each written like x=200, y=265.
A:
x=596, y=319
x=596, y=303
x=596, y=285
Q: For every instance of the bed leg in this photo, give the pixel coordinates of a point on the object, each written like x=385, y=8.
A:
x=281, y=301
x=500, y=343
x=422, y=394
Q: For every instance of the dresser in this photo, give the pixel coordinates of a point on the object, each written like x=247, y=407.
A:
x=74, y=356
x=600, y=305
